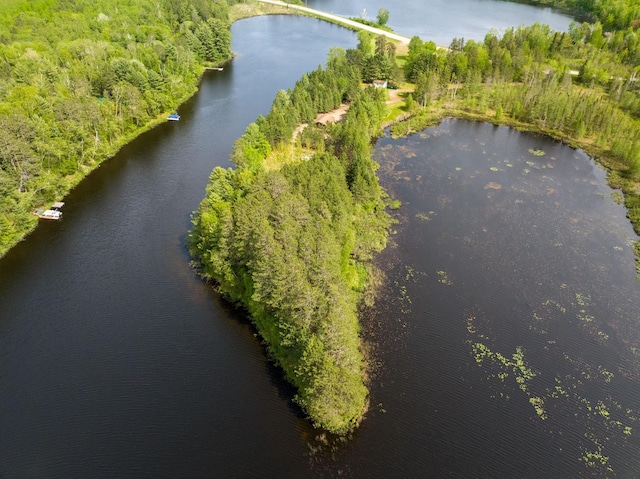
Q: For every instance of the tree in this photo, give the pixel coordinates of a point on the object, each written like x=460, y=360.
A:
x=383, y=16
x=365, y=43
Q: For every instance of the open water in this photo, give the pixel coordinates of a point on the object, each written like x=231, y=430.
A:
x=443, y=20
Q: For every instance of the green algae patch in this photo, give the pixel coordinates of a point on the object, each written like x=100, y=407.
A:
x=580, y=390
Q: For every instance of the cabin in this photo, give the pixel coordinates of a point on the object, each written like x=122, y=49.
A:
x=380, y=83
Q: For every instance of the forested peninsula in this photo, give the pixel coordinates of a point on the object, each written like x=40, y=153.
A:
x=79, y=79
x=288, y=233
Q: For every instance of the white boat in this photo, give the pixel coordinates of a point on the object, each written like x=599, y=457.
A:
x=52, y=213
x=173, y=117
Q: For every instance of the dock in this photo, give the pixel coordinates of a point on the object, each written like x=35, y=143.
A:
x=52, y=213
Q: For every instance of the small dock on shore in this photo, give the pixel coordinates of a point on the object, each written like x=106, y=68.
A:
x=52, y=213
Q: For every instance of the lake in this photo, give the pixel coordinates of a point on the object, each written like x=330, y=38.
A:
x=443, y=20
x=117, y=361
x=510, y=307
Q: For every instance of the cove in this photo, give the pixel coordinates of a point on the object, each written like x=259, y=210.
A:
x=510, y=319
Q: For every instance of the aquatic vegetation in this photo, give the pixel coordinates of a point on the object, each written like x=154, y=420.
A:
x=424, y=216
x=538, y=404
x=602, y=409
x=579, y=392
x=394, y=204
x=594, y=458
x=587, y=318
x=412, y=274
x=560, y=308
x=515, y=365
x=443, y=278
x=617, y=197
x=405, y=299
x=536, y=152
x=562, y=357
x=558, y=390
x=583, y=299
x=606, y=375
x=471, y=328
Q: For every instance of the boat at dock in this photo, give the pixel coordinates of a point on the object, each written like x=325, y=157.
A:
x=173, y=117
x=52, y=213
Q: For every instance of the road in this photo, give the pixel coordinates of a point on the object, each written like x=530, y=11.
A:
x=342, y=20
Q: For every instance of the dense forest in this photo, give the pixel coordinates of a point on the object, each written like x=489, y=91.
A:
x=287, y=234
x=78, y=79
x=612, y=14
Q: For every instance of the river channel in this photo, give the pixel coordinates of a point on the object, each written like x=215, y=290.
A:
x=511, y=266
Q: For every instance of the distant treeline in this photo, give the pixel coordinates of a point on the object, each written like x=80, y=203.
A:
x=561, y=81
x=79, y=78
x=287, y=233
x=612, y=14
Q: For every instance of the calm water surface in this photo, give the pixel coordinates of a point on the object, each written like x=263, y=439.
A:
x=443, y=20
x=116, y=361
x=511, y=305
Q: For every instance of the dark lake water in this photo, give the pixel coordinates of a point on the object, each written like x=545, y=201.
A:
x=511, y=307
x=116, y=361
x=443, y=20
